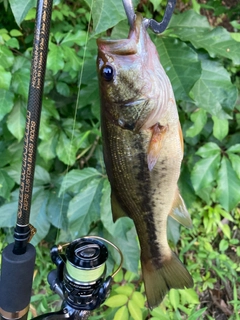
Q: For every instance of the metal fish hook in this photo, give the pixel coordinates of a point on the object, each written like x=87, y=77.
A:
x=157, y=27
x=128, y=6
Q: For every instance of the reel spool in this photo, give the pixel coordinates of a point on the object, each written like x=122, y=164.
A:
x=80, y=276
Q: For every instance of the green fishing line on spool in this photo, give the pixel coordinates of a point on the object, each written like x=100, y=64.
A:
x=85, y=275
x=86, y=260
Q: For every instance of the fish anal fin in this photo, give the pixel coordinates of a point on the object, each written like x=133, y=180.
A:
x=158, y=281
x=155, y=144
x=117, y=210
x=179, y=211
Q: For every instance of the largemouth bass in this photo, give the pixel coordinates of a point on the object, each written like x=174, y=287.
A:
x=143, y=150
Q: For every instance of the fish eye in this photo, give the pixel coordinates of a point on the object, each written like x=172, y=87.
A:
x=107, y=73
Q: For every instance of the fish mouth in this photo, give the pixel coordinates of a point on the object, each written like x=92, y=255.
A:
x=127, y=46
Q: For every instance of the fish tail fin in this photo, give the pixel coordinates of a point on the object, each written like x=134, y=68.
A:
x=158, y=281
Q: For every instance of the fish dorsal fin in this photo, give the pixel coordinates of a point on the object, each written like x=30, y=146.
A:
x=155, y=144
x=117, y=210
x=179, y=211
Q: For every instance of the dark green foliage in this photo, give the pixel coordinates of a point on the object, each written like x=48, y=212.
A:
x=71, y=195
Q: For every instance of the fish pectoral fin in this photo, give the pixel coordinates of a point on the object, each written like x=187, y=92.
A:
x=181, y=136
x=155, y=145
x=158, y=281
x=117, y=210
x=179, y=211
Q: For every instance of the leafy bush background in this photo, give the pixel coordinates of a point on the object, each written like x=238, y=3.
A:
x=71, y=191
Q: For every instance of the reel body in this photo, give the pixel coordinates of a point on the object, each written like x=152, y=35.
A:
x=80, y=277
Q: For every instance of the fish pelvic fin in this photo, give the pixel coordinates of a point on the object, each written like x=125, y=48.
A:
x=179, y=211
x=155, y=145
x=158, y=281
x=117, y=211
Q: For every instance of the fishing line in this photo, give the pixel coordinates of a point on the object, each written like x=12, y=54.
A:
x=75, y=115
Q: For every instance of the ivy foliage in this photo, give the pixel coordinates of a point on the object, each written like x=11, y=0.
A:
x=71, y=191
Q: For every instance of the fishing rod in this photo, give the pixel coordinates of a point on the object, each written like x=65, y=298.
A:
x=80, y=277
x=18, y=258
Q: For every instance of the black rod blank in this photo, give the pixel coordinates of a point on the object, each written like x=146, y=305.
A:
x=39, y=59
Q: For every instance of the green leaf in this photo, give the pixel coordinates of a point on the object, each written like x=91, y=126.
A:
x=235, y=161
x=126, y=289
x=224, y=213
x=5, y=79
x=6, y=184
x=208, y=149
x=181, y=65
x=38, y=217
x=199, y=118
x=185, y=186
x=190, y=26
x=220, y=128
x=235, y=149
x=21, y=8
x=225, y=229
x=214, y=91
x=47, y=148
x=134, y=310
x=6, y=102
x=66, y=150
x=121, y=314
x=63, y=89
x=78, y=38
x=72, y=60
x=123, y=232
x=235, y=36
x=14, y=170
x=174, y=298
x=189, y=296
x=188, y=19
x=16, y=120
x=15, y=33
x=116, y=301
x=75, y=180
x=155, y=3
x=106, y=14
x=223, y=245
x=41, y=176
x=20, y=82
x=138, y=298
x=205, y=172
x=84, y=208
x=227, y=191
x=158, y=313
x=6, y=57
x=13, y=43
x=90, y=94
x=8, y=211
x=55, y=60
x=196, y=314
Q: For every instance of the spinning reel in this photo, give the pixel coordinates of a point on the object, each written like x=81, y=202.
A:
x=80, y=278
